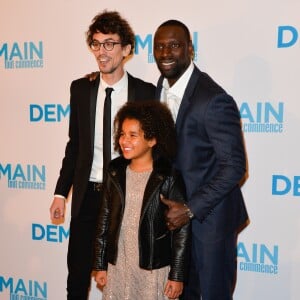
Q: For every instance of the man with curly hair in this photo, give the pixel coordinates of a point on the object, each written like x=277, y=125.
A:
x=111, y=40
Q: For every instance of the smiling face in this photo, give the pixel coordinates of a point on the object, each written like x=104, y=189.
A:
x=133, y=144
x=173, y=51
x=110, y=62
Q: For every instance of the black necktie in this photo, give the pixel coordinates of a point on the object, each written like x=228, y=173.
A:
x=107, y=130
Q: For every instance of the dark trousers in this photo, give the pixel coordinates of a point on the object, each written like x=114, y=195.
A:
x=81, y=245
x=212, y=272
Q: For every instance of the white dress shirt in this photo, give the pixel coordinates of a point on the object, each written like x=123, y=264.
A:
x=118, y=98
x=172, y=96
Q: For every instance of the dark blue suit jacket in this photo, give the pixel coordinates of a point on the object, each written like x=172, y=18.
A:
x=211, y=157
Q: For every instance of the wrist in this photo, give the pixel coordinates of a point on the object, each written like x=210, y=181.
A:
x=60, y=197
x=188, y=212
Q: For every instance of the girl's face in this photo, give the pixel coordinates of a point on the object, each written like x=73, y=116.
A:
x=133, y=143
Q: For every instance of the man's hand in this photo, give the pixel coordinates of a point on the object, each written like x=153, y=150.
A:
x=176, y=215
x=57, y=209
x=92, y=76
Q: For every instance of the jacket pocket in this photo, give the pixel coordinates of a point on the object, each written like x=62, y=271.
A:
x=162, y=236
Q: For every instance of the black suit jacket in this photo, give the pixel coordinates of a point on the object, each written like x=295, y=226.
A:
x=77, y=163
x=211, y=157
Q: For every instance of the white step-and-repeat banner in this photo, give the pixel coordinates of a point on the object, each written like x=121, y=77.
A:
x=250, y=47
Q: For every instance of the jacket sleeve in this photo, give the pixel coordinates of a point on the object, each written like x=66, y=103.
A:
x=223, y=127
x=65, y=179
x=181, y=236
x=100, y=261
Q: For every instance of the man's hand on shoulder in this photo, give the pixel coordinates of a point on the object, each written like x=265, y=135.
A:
x=92, y=76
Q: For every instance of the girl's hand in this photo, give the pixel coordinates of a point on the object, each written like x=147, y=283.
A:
x=101, y=278
x=173, y=289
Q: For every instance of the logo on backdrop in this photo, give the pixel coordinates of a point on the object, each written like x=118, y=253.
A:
x=262, y=117
x=287, y=36
x=258, y=258
x=48, y=112
x=146, y=43
x=22, y=289
x=49, y=233
x=283, y=185
x=20, y=176
x=23, y=55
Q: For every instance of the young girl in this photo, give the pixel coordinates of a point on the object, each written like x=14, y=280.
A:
x=137, y=257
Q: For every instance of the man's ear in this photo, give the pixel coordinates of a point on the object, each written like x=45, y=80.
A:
x=191, y=50
x=126, y=50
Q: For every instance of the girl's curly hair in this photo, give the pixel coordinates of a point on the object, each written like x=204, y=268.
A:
x=156, y=121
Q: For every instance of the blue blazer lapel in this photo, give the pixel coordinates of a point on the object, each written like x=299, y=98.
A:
x=186, y=99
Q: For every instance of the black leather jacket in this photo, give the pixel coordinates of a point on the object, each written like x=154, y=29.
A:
x=158, y=247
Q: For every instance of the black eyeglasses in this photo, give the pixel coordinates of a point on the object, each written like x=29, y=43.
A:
x=108, y=45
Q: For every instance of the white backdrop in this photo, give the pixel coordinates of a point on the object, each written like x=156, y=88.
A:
x=250, y=47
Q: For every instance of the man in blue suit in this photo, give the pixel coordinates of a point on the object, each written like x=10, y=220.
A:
x=211, y=157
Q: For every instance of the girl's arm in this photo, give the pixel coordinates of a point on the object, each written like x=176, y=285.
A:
x=180, y=237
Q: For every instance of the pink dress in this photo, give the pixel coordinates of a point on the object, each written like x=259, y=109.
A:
x=126, y=280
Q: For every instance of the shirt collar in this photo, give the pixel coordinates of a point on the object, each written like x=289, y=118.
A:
x=179, y=86
x=118, y=86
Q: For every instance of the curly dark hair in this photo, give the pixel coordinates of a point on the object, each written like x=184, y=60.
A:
x=156, y=121
x=111, y=22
